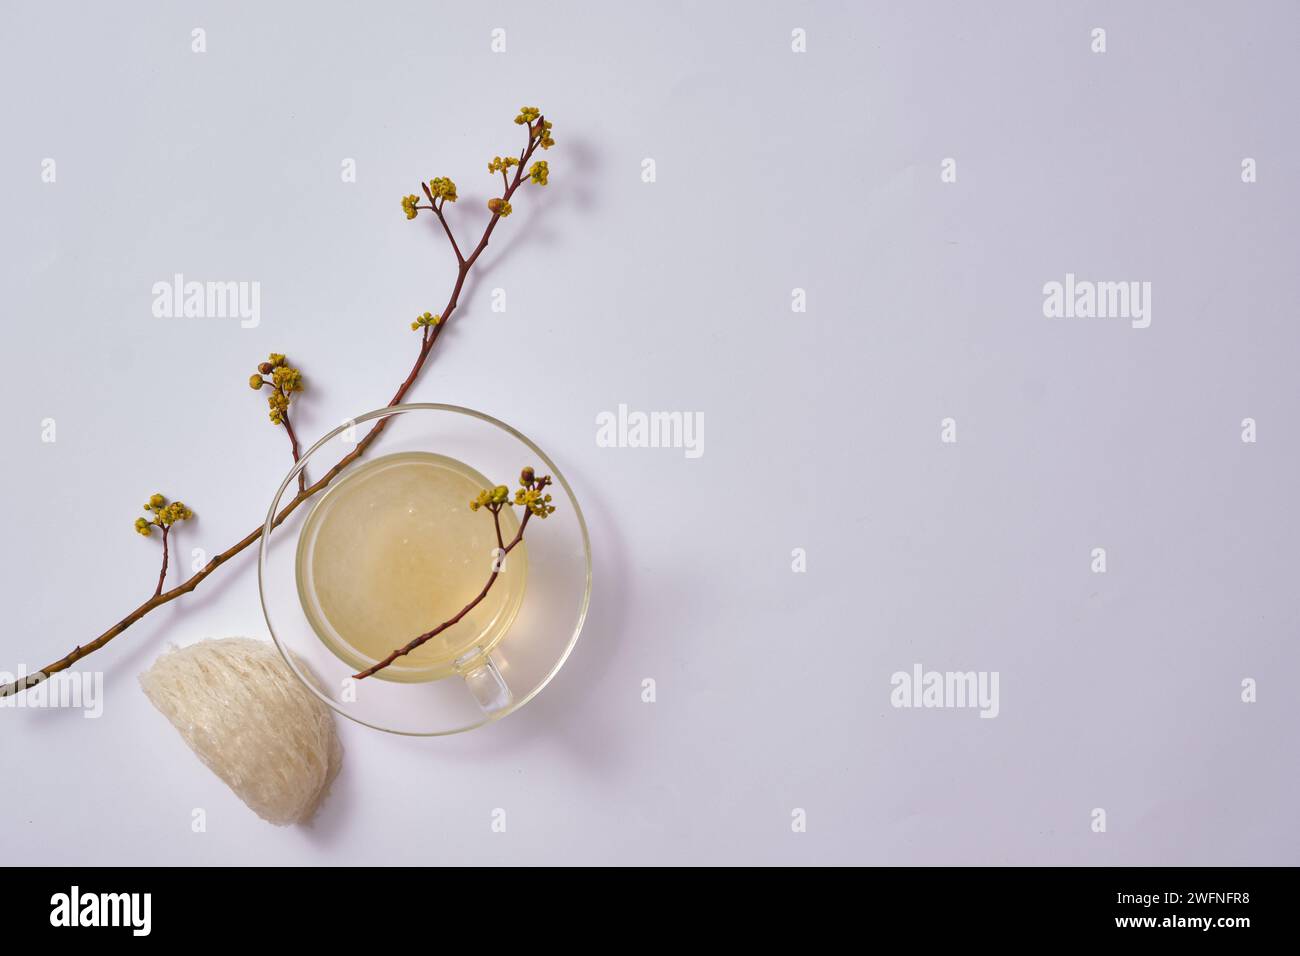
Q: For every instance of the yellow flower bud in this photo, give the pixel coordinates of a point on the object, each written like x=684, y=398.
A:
x=442, y=188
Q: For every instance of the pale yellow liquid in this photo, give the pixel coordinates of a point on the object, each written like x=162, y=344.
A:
x=392, y=550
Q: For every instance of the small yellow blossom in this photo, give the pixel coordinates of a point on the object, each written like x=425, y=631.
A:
x=287, y=379
x=536, y=502
x=279, y=404
x=499, y=165
x=284, y=380
x=491, y=498
x=164, y=515
x=539, y=172
x=531, y=495
x=527, y=114
x=546, y=142
x=442, y=188
x=500, y=206
x=425, y=319
x=409, y=204
x=176, y=511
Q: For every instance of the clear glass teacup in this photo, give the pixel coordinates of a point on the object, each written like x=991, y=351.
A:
x=391, y=549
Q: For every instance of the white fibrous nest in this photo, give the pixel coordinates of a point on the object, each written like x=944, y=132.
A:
x=251, y=720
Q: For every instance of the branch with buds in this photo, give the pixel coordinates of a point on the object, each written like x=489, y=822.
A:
x=285, y=380
x=164, y=516
x=531, y=496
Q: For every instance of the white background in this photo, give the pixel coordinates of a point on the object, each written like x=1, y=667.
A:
x=776, y=170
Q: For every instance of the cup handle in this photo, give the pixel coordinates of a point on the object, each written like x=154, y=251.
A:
x=485, y=682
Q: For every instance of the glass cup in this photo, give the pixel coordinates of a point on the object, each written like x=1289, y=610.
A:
x=501, y=661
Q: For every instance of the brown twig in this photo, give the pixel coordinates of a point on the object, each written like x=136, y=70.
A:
x=293, y=444
x=436, y=209
x=464, y=265
x=162, y=575
x=497, y=565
